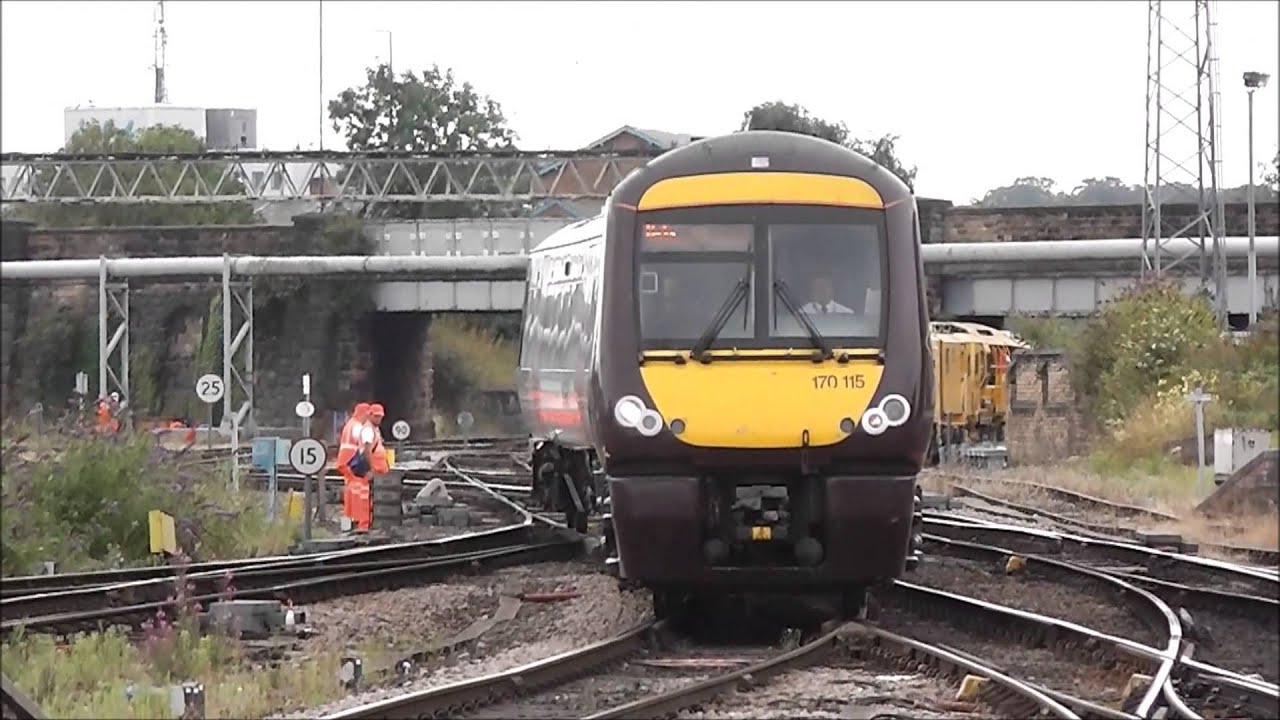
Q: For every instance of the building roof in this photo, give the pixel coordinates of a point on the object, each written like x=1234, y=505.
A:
x=659, y=139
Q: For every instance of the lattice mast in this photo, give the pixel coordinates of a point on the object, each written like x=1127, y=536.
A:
x=161, y=39
x=1183, y=160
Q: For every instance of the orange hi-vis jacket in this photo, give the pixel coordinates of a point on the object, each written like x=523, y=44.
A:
x=378, y=453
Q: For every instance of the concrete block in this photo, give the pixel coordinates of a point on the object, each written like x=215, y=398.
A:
x=410, y=510
x=428, y=520
x=454, y=517
x=433, y=494
x=935, y=501
x=386, y=496
x=249, y=617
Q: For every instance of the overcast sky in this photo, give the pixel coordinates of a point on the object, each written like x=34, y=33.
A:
x=980, y=93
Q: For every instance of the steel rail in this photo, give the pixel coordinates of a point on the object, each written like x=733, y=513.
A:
x=1257, y=692
x=1262, y=582
x=1109, y=531
x=491, y=492
x=1153, y=608
x=16, y=703
x=566, y=667
x=491, y=688
x=400, y=574
x=71, y=585
x=1009, y=619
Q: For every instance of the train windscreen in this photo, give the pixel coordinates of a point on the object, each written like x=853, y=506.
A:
x=826, y=267
x=687, y=273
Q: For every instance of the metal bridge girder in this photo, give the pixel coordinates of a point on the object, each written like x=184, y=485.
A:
x=113, y=339
x=280, y=177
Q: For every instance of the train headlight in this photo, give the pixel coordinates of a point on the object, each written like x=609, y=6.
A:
x=677, y=426
x=846, y=425
x=896, y=409
x=650, y=423
x=874, y=422
x=629, y=411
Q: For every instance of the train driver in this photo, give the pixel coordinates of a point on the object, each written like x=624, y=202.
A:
x=824, y=298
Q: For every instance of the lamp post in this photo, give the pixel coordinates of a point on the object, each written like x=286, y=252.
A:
x=1253, y=81
x=390, y=54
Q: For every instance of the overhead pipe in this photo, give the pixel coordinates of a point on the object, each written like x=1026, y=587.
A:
x=513, y=267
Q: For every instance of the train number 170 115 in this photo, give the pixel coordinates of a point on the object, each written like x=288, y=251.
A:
x=836, y=382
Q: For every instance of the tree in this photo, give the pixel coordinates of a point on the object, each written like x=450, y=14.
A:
x=777, y=115
x=1105, y=191
x=107, y=139
x=1272, y=179
x=1024, y=192
x=424, y=113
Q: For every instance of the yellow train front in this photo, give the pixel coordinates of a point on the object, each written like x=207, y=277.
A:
x=760, y=385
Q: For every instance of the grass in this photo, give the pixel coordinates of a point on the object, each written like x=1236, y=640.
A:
x=92, y=676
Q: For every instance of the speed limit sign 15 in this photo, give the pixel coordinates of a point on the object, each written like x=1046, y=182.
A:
x=209, y=388
x=307, y=456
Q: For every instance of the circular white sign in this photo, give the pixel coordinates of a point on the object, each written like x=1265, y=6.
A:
x=304, y=409
x=465, y=420
x=307, y=456
x=400, y=430
x=209, y=388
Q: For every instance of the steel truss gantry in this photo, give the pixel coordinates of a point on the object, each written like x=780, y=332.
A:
x=284, y=176
x=113, y=335
x=1183, y=142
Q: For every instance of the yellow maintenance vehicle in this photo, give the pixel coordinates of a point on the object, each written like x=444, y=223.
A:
x=971, y=384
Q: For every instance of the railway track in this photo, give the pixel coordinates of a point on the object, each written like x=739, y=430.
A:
x=301, y=581
x=617, y=678
x=1120, y=513
x=1113, y=554
x=1192, y=686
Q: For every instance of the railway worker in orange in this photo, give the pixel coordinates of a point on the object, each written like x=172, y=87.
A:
x=378, y=452
x=351, y=453
x=108, y=423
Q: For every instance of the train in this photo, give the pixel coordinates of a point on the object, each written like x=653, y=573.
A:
x=732, y=364
x=971, y=366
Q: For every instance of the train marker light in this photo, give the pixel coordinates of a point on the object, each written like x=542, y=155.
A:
x=677, y=426
x=846, y=425
x=874, y=422
x=760, y=162
x=629, y=411
x=650, y=423
x=896, y=409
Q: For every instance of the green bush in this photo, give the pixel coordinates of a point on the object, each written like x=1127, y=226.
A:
x=83, y=502
x=468, y=357
x=1144, y=339
x=1137, y=360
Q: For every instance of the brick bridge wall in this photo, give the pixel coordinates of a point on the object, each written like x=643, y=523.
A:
x=167, y=323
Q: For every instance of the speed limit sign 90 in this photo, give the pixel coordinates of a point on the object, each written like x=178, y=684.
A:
x=400, y=430
x=209, y=388
x=307, y=456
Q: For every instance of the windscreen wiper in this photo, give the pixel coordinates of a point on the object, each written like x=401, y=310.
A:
x=824, y=350
x=731, y=303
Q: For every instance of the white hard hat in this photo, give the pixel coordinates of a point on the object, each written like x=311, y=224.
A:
x=115, y=396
